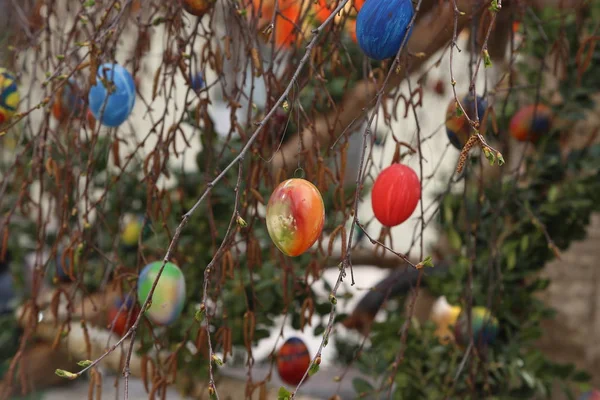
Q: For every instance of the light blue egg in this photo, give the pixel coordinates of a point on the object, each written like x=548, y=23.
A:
x=116, y=109
x=381, y=26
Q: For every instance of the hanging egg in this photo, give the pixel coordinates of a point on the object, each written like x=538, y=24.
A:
x=381, y=26
x=112, y=98
x=591, y=395
x=483, y=325
x=197, y=82
x=295, y=216
x=524, y=127
x=395, y=194
x=123, y=314
x=458, y=128
x=197, y=7
x=68, y=102
x=293, y=359
x=9, y=95
x=134, y=227
x=444, y=316
x=169, y=296
x=60, y=271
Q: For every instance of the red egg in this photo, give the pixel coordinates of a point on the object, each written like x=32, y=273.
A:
x=293, y=360
x=524, y=127
x=395, y=195
x=123, y=316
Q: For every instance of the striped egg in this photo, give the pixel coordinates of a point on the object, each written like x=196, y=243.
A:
x=293, y=359
x=9, y=95
x=169, y=296
x=524, y=126
x=483, y=325
x=458, y=128
x=112, y=98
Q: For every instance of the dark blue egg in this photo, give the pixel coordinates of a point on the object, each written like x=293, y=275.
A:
x=381, y=26
x=197, y=82
x=112, y=104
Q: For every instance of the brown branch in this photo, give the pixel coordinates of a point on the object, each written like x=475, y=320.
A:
x=430, y=34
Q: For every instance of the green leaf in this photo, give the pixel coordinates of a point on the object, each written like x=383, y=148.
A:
x=66, y=374
x=314, y=369
x=362, y=386
x=84, y=363
x=283, y=394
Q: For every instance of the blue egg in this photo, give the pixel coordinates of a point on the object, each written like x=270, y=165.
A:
x=381, y=27
x=197, y=81
x=116, y=109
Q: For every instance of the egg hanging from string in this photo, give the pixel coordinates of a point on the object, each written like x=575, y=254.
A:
x=168, y=299
x=9, y=95
x=381, y=26
x=112, y=98
x=395, y=194
x=295, y=216
x=484, y=327
x=293, y=359
x=531, y=122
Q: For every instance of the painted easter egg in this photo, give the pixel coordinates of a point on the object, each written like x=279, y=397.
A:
x=197, y=81
x=169, y=296
x=591, y=395
x=381, y=26
x=9, y=95
x=396, y=193
x=444, y=316
x=60, y=271
x=134, y=227
x=458, y=128
x=68, y=102
x=524, y=127
x=295, y=216
x=123, y=315
x=112, y=98
x=293, y=359
x=483, y=325
x=197, y=7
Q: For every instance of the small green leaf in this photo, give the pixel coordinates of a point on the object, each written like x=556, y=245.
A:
x=332, y=299
x=283, y=394
x=84, y=363
x=217, y=360
x=314, y=369
x=487, y=61
x=65, y=374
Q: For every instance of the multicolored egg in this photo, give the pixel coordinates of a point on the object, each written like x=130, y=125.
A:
x=591, y=395
x=381, y=26
x=483, y=325
x=444, y=316
x=169, y=296
x=524, y=127
x=197, y=7
x=293, y=359
x=395, y=194
x=123, y=314
x=134, y=227
x=60, y=272
x=295, y=216
x=9, y=95
x=68, y=102
x=197, y=81
x=458, y=128
x=112, y=98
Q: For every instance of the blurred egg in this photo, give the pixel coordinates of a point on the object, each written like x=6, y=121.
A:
x=483, y=325
x=444, y=316
x=293, y=359
x=395, y=194
x=112, y=98
x=123, y=314
x=169, y=296
x=458, y=128
x=134, y=227
x=197, y=81
x=9, y=95
x=591, y=395
x=68, y=102
x=525, y=127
